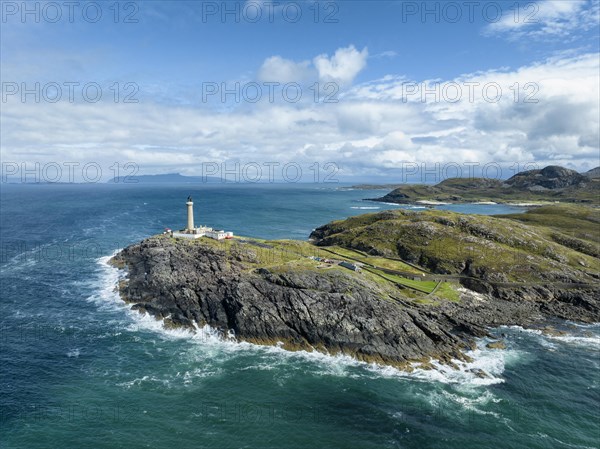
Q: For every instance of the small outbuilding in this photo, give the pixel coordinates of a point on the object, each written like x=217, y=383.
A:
x=350, y=266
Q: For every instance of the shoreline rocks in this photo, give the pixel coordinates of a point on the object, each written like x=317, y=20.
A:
x=496, y=345
x=190, y=284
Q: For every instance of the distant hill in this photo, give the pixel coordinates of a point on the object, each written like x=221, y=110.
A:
x=166, y=177
x=552, y=183
x=372, y=187
x=551, y=177
x=594, y=173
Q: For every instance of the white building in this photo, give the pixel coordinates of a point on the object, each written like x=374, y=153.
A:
x=195, y=233
x=217, y=235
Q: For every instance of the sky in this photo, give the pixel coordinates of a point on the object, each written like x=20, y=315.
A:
x=364, y=91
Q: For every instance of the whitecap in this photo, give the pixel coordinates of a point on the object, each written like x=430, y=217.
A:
x=73, y=353
x=589, y=342
x=549, y=340
x=472, y=403
x=210, y=343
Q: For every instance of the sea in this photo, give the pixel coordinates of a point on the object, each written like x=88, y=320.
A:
x=79, y=369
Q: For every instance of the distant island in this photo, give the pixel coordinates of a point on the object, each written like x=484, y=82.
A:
x=550, y=184
x=401, y=288
x=164, y=178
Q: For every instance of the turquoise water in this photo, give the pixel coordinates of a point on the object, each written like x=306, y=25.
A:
x=78, y=369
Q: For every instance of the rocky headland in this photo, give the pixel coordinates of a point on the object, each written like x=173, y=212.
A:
x=477, y=273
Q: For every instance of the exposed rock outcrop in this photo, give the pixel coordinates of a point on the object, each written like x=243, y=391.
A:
x=192, y=283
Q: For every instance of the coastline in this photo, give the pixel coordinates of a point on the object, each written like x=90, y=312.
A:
x=235, y=291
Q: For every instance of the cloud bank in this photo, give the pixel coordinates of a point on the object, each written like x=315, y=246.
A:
x=547, y=113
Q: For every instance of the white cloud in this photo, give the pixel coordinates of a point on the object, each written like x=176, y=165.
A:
x=547, y=19
x=343, y=66
x=370, y=131
x=386, y=54
x=278, y=69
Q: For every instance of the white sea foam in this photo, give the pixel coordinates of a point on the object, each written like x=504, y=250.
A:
x=105, y=287
x=365, y=207
x=460, y=402
x=590, y=342
x=544, y=436
x=489, y=362
x=549, y=340
x=21, y=262
x=73, y=352
x=471, y=402
x=212, y=345
x=145, y=380
x=472, y=294
x=587, y=326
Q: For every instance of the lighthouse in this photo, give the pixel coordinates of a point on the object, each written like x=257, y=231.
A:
x=191, y=232
x=190, y=214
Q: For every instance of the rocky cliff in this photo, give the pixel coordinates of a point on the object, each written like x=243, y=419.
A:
x=232, y=287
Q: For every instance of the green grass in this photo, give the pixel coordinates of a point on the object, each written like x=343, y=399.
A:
x=473, y=189
x=422, y=286
x=574, y=221
x=286, y=256
x=295, y=265
x=382, y=262
x=447, y=290
x=514, y=248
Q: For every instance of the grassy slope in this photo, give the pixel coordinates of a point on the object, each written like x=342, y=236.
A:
x=285, y=256
x=566, y=222
x=465, y=190
x=552, y=242
x=548, y=243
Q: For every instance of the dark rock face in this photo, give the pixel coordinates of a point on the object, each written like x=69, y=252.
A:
x=189, y=283
x=551, y=177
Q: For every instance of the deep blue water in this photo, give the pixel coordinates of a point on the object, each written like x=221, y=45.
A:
x=78, y=369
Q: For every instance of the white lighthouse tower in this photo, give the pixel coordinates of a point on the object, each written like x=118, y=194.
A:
x=192, y=232
x=190, y=215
